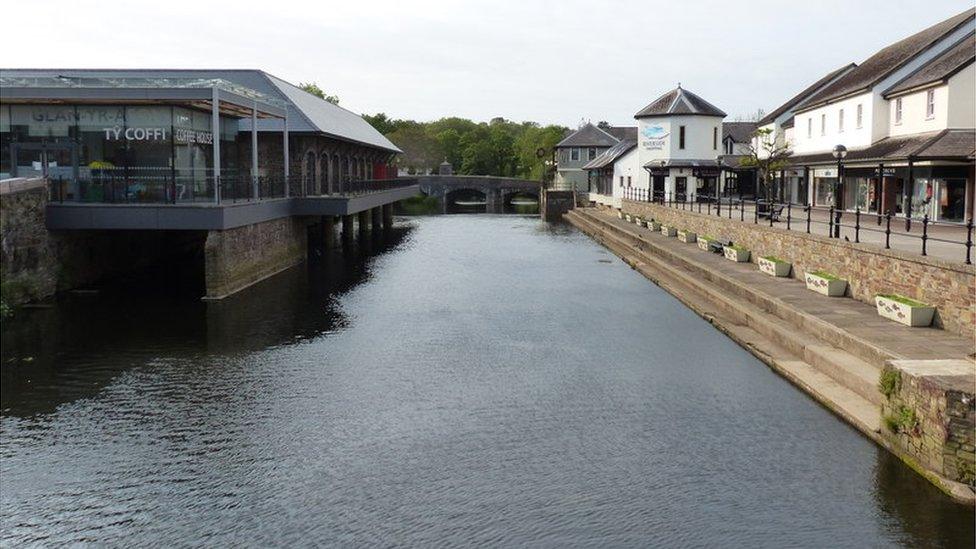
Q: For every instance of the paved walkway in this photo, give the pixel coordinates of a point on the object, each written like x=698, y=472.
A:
x=857, y=318
x=946, y=241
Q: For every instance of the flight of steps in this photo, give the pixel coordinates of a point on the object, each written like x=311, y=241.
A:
x=836, y=368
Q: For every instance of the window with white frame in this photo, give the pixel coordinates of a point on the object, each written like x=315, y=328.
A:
x=823, y=124
x=930, y=105
x=898, y=111
x=840, y=121
x=860, y=115
x=574, y=153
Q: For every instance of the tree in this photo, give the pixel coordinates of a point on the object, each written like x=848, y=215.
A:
x=314, y=89
x=768, y=157
x=603, y=125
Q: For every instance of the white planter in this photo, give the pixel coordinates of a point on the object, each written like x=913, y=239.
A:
x=654, y=226
x=620, y=214
x=628, y=217
x=904, y=313
x=687, y=237
x=703, y=244
x=668, y=231
x=831, y=288
x=774, y=268
x=732, y=254
x=639, y=221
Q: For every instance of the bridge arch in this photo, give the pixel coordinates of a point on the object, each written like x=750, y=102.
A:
x=520, y=201
x=465, y=200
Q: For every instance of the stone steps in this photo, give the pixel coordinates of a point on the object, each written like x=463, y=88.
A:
x=830, y=334
x=842, y=381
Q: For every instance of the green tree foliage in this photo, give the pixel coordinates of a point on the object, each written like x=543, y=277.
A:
x=500, y=147
x=314, y=89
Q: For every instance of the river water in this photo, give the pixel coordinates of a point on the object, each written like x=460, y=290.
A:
x=472, y=380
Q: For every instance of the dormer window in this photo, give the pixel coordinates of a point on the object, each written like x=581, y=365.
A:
x=591, y=154
x=930, y=105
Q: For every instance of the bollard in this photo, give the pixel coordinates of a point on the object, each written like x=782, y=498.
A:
x=888, y=230
x=925, y=232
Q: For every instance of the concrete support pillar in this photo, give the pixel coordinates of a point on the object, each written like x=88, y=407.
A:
x=387, y=216
x=328, y=231
x=347, y=227
x=376, y=218
x=363, y=221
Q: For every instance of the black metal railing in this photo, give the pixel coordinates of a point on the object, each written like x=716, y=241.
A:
x=160, y=189
x=828, y=221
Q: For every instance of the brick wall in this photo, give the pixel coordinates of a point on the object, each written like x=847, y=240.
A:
x=869, y=271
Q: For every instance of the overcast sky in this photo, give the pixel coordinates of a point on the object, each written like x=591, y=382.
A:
x=552, y=62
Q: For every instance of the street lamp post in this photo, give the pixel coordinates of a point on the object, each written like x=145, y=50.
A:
x=839, y=153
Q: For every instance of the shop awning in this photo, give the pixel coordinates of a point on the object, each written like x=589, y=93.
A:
x=953, y=145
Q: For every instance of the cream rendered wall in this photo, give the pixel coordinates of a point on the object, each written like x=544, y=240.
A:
x=876, y=108
x=913, y=119
x=698, y=144
x=962, y=99
x=626, y=166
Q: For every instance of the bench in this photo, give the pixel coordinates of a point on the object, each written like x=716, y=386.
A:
x=766, y=213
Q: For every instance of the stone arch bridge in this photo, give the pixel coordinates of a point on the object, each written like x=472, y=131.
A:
x=497, y=191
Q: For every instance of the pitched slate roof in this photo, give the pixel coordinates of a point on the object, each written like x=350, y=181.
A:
x=939, y=69
x=588, y=136
x=740, y=132
x=624, y=132
x=884, y=62
x=679, y=101
x=307, y=113
x=611, y=155
x=796, y=99
x=946, y=144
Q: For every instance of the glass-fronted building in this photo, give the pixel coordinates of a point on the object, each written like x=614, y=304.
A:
x=127, y=140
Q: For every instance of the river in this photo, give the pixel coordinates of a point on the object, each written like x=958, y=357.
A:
x=473, y=380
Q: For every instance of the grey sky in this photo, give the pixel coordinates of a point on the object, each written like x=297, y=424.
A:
x=553, y=62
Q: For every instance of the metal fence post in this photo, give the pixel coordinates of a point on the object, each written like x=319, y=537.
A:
x=789, y=208
x=838, y=212
x=772, y=207
x=888, y=229
x=925, y=232
x=755, y=211
x=969, y=241
x=830, y=221
x=808, y=209
x=857, y=225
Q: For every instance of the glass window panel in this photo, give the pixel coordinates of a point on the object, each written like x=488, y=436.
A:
x=36, y=122
x=150, y=143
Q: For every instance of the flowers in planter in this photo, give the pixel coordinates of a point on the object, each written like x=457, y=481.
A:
x=668, y=230
x=703, y=241
x=825, y=283
x=686, y=236
x=639, y=220
x=628, y=217
x=904, y=310
x=774, y=266
x=735, y=253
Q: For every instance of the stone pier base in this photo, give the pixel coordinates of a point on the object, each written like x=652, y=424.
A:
x=387, y=216
x=376, y=219
x=238, y=258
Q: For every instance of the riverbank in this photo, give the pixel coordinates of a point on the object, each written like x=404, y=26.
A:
x=833, y=349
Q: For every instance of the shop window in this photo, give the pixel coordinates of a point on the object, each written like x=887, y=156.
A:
x=930, y=105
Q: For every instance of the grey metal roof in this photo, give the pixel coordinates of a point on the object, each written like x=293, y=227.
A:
x=314, y=115
x=812, y=88
x=588, y=136
x=611, y=155
x=624, y=132
x=939, y=69
x=679, y=163
x=679, y=101
x=886, y=61
x=740, y=132
x=944, y=144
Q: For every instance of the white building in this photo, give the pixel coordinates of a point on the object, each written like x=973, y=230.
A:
x=679, y=141
x=612, y=172
x=581, y=147
x=906, y=117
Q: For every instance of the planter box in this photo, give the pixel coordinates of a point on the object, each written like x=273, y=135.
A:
x=628, y=217
x=687, y=237
x=910, y=314
x=620, y=214
x=639, y=221
x=703, y=244
x=654, y=226
x=737, y=255
x=774, y=268
x=835, y=287
x=668, y=231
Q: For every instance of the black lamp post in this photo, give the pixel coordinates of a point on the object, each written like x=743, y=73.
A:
x=839, y=153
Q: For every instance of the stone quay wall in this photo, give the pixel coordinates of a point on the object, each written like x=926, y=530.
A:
x=236, y=258
x=28, y=259
x=869, y=270
x=929, y=415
